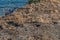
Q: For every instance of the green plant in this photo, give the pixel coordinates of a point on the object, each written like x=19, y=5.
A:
x=33, y=1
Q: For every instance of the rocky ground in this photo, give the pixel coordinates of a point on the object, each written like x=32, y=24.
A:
x=39, y=21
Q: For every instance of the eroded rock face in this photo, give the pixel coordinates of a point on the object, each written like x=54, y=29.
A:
x=40, y=21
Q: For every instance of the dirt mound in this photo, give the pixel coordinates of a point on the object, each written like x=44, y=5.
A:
x=39, y=21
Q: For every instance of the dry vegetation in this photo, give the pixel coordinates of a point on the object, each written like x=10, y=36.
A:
x=36, y=21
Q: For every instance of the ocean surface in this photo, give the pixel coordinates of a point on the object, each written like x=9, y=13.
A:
x=8, y=6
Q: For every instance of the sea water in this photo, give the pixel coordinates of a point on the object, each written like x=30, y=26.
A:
x=8, y=6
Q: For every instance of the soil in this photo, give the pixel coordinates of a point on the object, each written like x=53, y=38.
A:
x=36, y=21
